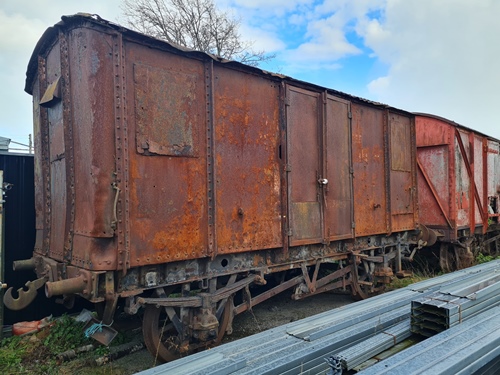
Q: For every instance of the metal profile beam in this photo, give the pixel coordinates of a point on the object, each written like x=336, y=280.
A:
x=462, y=349
x=455, y=303
x=357, y=354
x=300, y=347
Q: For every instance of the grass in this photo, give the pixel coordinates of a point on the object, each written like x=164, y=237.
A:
x=481, y=258
x=398, y=283
x=37, y=353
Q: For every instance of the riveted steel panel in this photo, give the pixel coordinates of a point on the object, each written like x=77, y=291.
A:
x=403, y=190
x=303, y=126
x=493, y=166
x=480, y=180
x=56, y=159
x=92, y=103
x=58, y=205
x=91, y=90
x=435, y=158
x=463, y=197
x=453, y=163
x=433, y=191
x=168, y=204
x=338, y=192
x=248, y=187
x=370, y=180
x=164, y=101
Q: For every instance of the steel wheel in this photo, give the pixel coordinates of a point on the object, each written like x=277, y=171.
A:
x=165, y=342
x=364, y=284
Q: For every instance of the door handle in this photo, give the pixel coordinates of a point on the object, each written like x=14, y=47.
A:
x=323, y=181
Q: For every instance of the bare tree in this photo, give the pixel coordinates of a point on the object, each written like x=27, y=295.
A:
x=196, y=24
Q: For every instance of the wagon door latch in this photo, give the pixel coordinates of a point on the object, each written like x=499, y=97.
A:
x=322, y=182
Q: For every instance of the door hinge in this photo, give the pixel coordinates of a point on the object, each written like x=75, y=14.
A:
x=353, y=225
x=288, y=168
x=287, y=101
x=290, y=232
x=349, y=114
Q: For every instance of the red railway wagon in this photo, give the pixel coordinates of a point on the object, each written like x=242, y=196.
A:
x=176, y=181
x=459, y=187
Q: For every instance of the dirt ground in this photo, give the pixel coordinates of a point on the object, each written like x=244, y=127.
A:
x=271, y=313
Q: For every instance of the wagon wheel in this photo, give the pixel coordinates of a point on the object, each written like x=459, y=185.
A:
x=364, y=283
x=163, y=339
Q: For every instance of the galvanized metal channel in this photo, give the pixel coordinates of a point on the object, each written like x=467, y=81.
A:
x=463, y=349
x=359, y=353
x=453, y=304
x=301, y=347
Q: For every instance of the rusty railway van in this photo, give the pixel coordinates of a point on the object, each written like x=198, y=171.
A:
x=175, y=183
x=459, y=187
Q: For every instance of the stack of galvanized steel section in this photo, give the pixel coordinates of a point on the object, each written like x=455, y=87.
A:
x=453, y=304
x=354, y=333
x=472, y=347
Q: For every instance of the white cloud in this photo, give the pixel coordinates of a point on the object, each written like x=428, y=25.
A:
x=262, y=39
x=22, y=23
x=430, y=56
x=443, y=58
x=326, y=26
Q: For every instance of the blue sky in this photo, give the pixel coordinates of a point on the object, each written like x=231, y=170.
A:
x=439, y=57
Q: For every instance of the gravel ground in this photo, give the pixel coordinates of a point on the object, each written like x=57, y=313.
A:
x=271, y=313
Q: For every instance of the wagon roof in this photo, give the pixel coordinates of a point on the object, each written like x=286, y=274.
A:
x=80, y=19
x=455, y=124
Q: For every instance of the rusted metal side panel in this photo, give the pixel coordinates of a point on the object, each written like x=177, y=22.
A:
x=92, y=93
x=167, y=176
x=461, y=174
x=370, y=182
x=436, y=174
x=463, y=198
x=57, y=160
x=90, y=54
x=493, y=167
x=480, y=179
x=402, y=170
x=471, y=155
x=338, y=206
x=304, y=169
x=247, y=136
x=493, y=180
x=433, y=188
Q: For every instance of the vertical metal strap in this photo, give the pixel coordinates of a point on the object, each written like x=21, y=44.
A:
x=485, y=184
x=283, y=171
x=323, y=162
x=351, y=170
x=122, y=156
x=414, y=169
x=387, y=177
x=44, y=156
x=68, y=148
x=472, y=186
x=211, y=177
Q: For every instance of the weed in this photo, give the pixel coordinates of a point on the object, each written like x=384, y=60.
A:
x=481, y=258
x=12, y=351
x=66, y=334
x=36, y=353
x=398, y=283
